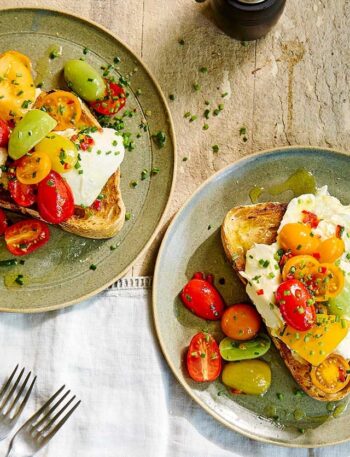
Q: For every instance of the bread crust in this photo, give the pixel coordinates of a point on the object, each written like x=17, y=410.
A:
x=244, y=226
x=86, y=222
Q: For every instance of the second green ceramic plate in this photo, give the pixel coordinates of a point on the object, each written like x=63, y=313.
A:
x=59, y=274
x=192, y=243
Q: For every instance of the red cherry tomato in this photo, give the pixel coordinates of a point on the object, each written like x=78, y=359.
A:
x=3, y=222
x=23, y=194
x=201, y=297
x=55, y=199
x=26, y=236
x=296, y=304
x=203, y=358
x=4, y=133
x=113, y=101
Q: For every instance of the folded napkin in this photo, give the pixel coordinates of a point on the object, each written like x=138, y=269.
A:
x=105, y=350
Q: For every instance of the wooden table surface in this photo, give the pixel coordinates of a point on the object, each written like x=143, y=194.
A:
x=288, y=88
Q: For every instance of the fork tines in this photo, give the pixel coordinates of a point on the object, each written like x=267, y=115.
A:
x=47, y=421
x=13, y=397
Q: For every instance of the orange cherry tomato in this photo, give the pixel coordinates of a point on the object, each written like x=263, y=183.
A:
x=325, y=281
x=298, y=238
x=331, y=249
x=33, y=168
x=241, y=322
x=298, y=267
x=332, y=375
x=64, y=107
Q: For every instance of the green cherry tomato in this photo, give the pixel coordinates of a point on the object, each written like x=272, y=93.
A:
x=340, y=305
x=84, y=80
x=232, y=350
x=252, y=377
x=31, y=129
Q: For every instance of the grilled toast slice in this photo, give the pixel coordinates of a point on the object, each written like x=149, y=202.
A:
x=86, y=222
x=244, y=226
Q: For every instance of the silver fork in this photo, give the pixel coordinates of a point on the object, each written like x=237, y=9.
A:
x=13, y=399
x=42, y=426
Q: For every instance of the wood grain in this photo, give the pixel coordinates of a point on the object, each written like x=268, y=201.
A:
x=290, y=87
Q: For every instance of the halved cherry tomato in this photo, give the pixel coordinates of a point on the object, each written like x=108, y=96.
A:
x=26, y=236
x=4, y=133
x=325, y=281
x=331, y=249
x=241, y=322
x=63, y=106
x=23, y=194
x=203, y=358
x=298, y=238
x=113, y=101
x=298, y=267
x=310, y=219
x=3, y=222
x=202, y=298
x=33, y=168
x=296, y=304
x=332, y=375
x=61, y=151
x=55, y=199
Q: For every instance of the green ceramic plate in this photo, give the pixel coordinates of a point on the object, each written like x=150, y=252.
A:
x=59, y=274
x=192, y=243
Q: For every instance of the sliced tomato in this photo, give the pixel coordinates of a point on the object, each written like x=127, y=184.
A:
x=3, y=222
x=202, y=298
x=299, y=267
x=325, y=281
x=23, y=194
x=203, y=358
x=113, y=101
x=332, y=375
x=296, y=304
x=63, y=106
x=4, y=133
x=55, y=199
x=310, y=219
x=31, y=169
x=26, y=236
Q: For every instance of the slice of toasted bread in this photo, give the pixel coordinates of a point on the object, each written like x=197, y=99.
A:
x=87, y=222
x=244, y=226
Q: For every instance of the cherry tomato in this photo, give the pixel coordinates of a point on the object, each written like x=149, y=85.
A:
x=296, y=304
x=325, y=281
x=26, y=236
x=63, y=106
x=33, y=168
x=55, y=199
x=332, y=375
x=113, y=101
x=23, y=194
x=4, y=134
x=331, y=249
x=202, y=298
x=203, y=358
x=3, y=222
x=298, y=267
x=298, y=238
x=241, y=322
x=61, y=151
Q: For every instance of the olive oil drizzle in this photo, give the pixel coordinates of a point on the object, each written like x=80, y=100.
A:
x=300, y=182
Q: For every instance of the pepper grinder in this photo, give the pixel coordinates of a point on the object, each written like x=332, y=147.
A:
x=247, y=20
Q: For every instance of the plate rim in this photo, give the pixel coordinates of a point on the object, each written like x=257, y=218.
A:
x=161, y=343
x=174, y=174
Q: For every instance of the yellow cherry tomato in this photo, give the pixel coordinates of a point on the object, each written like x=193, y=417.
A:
x=63, y=106
x=298, y=238
x=331, y=376
x=298, y=267
x=61, y=150
x=17, y=89
x=331, y=249
x=33, y=168
x=252, y=377
x=325, y=281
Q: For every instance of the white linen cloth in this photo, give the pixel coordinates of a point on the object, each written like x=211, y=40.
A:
x=106, y=351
